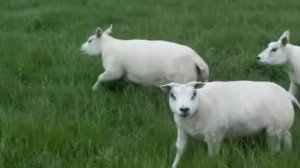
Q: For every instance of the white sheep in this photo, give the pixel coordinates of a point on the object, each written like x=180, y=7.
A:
x=281, y=52
x=143, y=61
x=224, y=109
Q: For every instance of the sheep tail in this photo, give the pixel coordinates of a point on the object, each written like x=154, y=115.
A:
x=294, y=100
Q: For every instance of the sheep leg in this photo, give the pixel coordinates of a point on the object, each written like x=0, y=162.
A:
x=273, y=140
x=287, y=141
x=214, y=144
x=107, y=76
x=180, y=145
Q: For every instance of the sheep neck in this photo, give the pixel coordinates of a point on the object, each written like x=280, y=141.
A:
x=105, y=43
x=293, y=63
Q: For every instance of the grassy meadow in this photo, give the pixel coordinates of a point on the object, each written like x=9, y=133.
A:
x=50, y=118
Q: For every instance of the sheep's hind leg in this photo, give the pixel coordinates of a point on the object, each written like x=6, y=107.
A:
x=287, y=141
x=273, y=139
x=107, y=76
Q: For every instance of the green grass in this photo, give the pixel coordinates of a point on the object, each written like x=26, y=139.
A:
x=50, y=117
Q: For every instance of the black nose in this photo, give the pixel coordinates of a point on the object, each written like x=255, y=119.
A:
x=258, y=58
x=184, y=110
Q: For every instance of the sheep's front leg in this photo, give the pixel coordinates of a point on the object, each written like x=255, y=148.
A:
x=213, y=141
x=107, y=76
x=180, y=145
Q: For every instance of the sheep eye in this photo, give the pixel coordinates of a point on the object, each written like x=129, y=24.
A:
x=274, y=49
x=90, y=40
x=172, y=95
x=194, y=95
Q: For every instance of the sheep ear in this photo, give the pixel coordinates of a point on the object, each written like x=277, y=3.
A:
x=108, y=30
x=99, y=32
x=168, y=87
x=285, y=37
x=197, y=85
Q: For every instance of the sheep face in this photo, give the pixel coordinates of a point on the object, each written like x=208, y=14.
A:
x=276, y=52
x=92, y=46
x=183, y=98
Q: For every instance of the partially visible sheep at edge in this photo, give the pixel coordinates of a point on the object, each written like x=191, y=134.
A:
x=281, y=52
x=214, y=110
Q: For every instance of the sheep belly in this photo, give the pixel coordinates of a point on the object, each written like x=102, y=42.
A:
x=243, y=129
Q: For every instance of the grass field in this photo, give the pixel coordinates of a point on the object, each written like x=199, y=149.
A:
x=50, y=118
